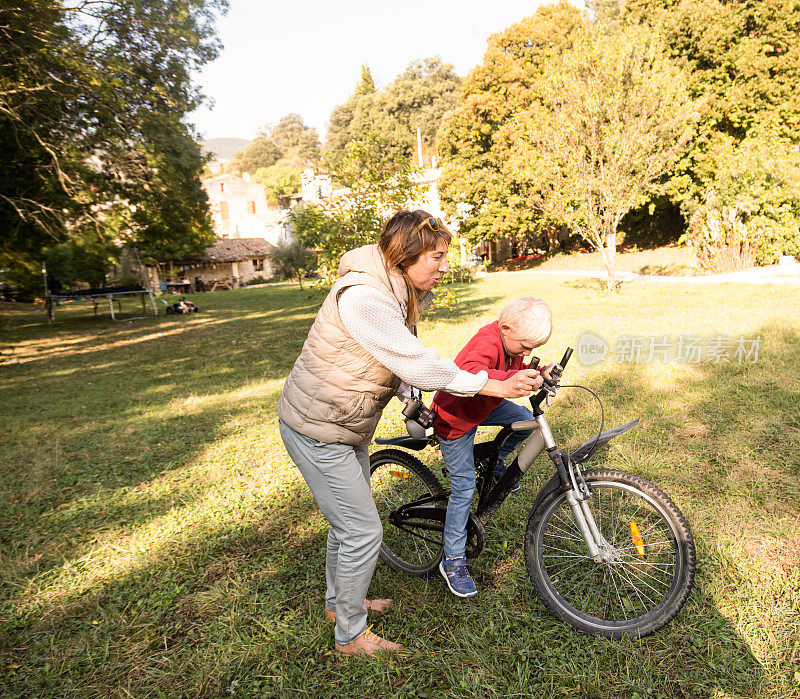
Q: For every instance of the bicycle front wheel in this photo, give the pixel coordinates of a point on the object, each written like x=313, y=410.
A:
x=649, y=557
x=396, y=479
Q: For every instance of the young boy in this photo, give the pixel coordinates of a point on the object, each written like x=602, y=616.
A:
x=498, y=349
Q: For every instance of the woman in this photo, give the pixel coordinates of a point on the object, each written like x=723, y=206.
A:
x=360, y=348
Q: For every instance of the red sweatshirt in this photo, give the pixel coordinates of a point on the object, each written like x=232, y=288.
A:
x=455, y=416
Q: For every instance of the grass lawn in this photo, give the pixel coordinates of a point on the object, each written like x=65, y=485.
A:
x=673, y=260
x=157, y=540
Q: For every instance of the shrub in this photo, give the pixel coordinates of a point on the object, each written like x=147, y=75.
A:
x=460, y=274
x=256, y=280
x=750, y=212
x=721, y=238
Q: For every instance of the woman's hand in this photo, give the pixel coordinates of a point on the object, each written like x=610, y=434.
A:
x=523, y=383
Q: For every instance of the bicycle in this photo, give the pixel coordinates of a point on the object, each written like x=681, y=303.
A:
x=607, y=551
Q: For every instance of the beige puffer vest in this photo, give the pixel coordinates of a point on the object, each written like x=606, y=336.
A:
x=337, y=390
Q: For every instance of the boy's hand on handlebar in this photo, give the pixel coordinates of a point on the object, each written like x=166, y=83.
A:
x=523, y=383
x=547, y=372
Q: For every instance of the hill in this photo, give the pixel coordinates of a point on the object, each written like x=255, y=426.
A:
x=223, y=148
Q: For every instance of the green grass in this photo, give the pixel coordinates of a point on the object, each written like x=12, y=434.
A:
x=157, y=540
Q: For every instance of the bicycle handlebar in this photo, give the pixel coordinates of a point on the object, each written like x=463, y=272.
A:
x=549, y=387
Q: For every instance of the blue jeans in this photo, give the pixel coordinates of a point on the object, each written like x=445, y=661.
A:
x=460, y=463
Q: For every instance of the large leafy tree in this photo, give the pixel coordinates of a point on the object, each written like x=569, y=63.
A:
x=419, y=98
x=294, y=138
x=277, y=157
x=475, y=145
x=377, y=187
x=349, y=119
x=743, y=58
x=261, y=152
x=614, y=118
x=744, y=55
x=93, y=99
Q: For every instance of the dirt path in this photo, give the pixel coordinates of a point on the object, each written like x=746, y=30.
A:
x=774, y=274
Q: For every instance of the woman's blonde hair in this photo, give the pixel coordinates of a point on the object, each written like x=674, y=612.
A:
x=530, y=318
x=406, y=236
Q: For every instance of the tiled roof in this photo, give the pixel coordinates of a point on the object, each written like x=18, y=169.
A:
x=235, y=249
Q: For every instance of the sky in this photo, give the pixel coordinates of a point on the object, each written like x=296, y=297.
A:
x=305, y=56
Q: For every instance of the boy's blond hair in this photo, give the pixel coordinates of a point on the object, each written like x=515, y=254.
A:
x=530, y=318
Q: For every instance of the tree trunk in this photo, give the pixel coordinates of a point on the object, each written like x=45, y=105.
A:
x=607, y=249
x=299, y=279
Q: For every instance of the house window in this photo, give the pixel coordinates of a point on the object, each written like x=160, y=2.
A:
x=251, y=207
x=224, y=214
x=258, y=264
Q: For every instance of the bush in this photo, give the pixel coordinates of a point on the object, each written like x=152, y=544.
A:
x=750, y=212
x=290, y=259
x=460, y=274
x=256, y=280
x=721, y=238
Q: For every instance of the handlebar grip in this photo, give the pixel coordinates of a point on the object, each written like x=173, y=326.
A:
x=565, y=358
x=537, y=400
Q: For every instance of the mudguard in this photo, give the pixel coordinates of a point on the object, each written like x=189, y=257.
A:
x=406, y=442
x=585, y=450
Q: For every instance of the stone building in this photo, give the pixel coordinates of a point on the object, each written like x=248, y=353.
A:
x=226, y=265
x=239, y=209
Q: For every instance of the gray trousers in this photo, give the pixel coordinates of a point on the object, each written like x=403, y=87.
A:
x=338, y=476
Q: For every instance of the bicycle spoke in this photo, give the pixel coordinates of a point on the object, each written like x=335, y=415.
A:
x=649, y=543
x=616, y=589
x=570, y=522
x=559, y=550
x=564, y=570
x=643, y=582
x=624, y=572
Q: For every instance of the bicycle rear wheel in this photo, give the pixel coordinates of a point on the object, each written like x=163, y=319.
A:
x=649, y=566
x=397, y=478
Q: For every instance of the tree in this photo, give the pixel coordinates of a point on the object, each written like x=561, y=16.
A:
x=377, y=188
x=474, y=152
x=614, y=118
x=293, y=137
x=282, y=178
x=290, y=259
x=349, y=119
x=93, y=97
x=262, y=152
x=419, y=97
x=750, y=207
x=743, y=58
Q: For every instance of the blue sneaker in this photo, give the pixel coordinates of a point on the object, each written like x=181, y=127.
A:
x=457, y=577
x=499, y=470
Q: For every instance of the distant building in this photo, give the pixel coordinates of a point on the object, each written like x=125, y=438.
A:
x=226, y=264
x=239, y=209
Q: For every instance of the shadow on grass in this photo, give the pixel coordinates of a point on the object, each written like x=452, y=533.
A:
x=231, y=602
x=675, y=270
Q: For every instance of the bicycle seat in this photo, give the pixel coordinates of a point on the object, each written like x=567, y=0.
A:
x=406, y=442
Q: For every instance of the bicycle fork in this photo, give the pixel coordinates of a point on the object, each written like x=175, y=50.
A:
x=577, y=494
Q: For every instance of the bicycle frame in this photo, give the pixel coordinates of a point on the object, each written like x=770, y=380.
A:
x=568, y=479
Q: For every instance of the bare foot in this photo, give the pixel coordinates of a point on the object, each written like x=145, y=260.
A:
x=367, y=644
x=373, y=605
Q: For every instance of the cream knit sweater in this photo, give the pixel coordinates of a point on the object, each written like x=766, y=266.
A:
x=376, y=322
